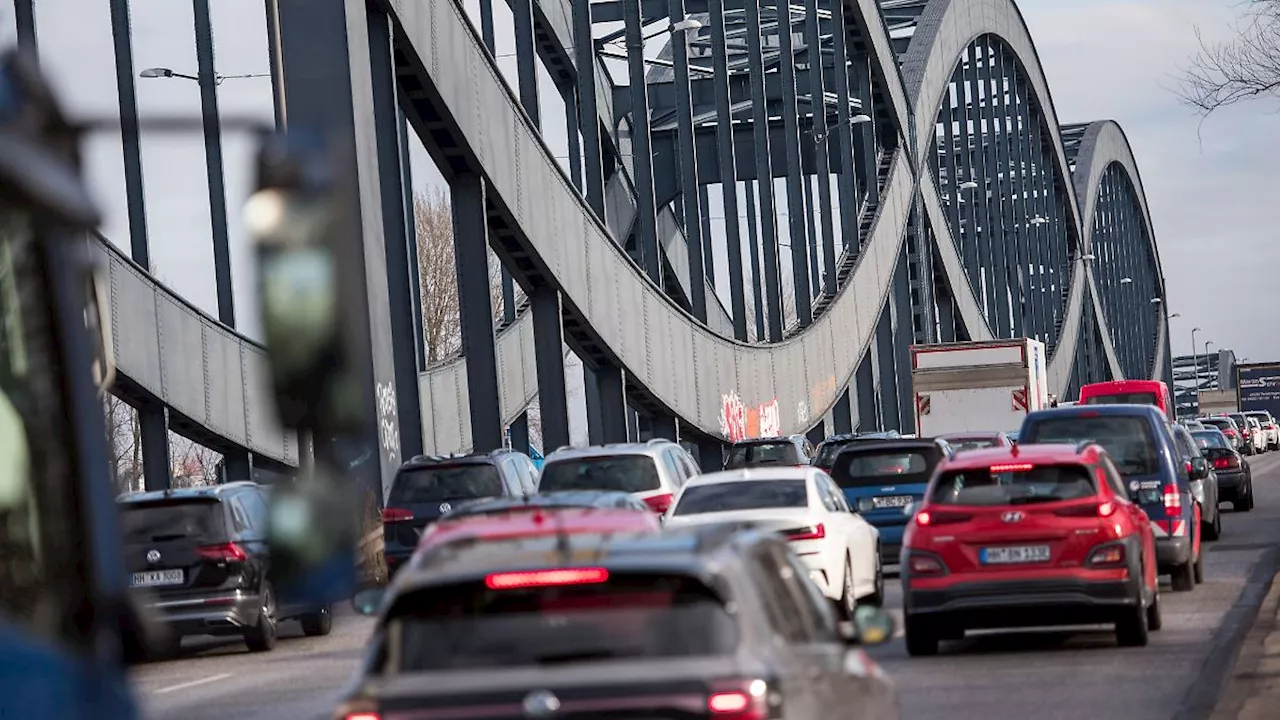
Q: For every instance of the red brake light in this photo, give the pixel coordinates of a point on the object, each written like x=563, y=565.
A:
x=1172, y=498
x=391, y=515
x=363, y=716
x=659, y=503
x=940, y=517
x=1106, y=508
x=1226, y=463
x=728, y=702
x=228, y=552
x=1012, y=467
x=1230, y=432
x=817, y=532
x=546, y=578
x=924, y=518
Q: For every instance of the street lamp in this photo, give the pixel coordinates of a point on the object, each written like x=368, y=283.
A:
x=1195, y=362
x=164, y=72
x=1039, y=220
x=1125, y=281
x=1090, y=257
x=968, y=185
x=859, y=119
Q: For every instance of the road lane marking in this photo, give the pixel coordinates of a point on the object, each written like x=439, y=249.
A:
x=193, y=683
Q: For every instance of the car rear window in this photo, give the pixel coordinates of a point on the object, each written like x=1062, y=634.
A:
x=1220, y=423
x=827, y=452
x=198, y=520
x=471, y=626
x=972, y=443
x=1127, y=439
x=1206, y=439
x=627, y=473
x=1260, y=415
x=746, y=495
x=779, y=453
x=1004, y=485
x=440, y=483
x=865, y=469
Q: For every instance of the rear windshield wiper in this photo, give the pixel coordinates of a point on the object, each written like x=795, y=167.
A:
x=170, y=536
x=568, y=657
x=1033, y=499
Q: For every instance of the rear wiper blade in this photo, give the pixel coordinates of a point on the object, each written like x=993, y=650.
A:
x=1033, y=499
x=172, y=536
x=557, y=658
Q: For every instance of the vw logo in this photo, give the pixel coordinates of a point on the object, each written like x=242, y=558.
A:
x=541, y=704
x=445, y=508
x=153, y=556
x=1013, y=516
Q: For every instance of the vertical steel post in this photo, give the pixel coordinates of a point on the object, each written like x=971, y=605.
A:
x=664, y=427
x=847, y=180
x=486, y=25
x=612, y=397
x=274, y=65
x=754, y=246
x=797, y=233
x=888, y=367
x=708, y=254
x=130, y=135
x=589, y=124
x=711, y=455
x=865, y=388
x=518, y=432
x=687, y=159
x=207, y=75
x=868, y=147
x=842, y=413
x=527, y=70
x=153, y=427
x=764, y=172
x=399, y=260
x=641, y=143
x=569, y=94
x=24, y=17
x=548, y=345
x=470, y=247
x=728, y=172
x=822, y=147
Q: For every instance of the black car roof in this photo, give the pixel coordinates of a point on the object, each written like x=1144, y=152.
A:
x=204, y=492
x=554, y=498
x=693, y=550
x=870, y=446
x=423, y=461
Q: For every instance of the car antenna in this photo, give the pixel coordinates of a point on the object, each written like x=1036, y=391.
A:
x=1014, y=450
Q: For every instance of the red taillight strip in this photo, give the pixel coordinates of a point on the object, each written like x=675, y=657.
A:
x=546, y=578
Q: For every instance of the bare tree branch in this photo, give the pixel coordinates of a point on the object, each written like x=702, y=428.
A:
x=1244, y=68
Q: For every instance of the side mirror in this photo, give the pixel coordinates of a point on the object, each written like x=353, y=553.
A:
x=1199, y=468
x=870, y=626
x=368, y=601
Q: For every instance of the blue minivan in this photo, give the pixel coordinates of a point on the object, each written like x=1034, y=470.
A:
x=1139, y=442
x=884, y=479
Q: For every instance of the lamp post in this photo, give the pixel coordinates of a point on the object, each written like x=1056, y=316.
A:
x=1195, y=363
x=208, y=82
x=1207, y=365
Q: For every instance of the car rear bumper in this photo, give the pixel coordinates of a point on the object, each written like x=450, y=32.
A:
x=1230, y=486
x=1172, y=552
x=222, y=613
x=1023, y=603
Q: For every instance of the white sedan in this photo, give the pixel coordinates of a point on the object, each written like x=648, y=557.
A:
x=804, y=505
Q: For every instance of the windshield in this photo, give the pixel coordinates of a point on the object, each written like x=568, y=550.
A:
x=626, y=473
x=629, y=616
x=1126, y=439
x=866, y=469
x=1049, y=483
x=156, y=522
x=1142, y=398
x=748, y=455
x=440, y=483
x=1206, y=439
x=746, y=495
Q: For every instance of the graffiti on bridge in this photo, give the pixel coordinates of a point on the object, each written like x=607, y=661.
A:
x=739, y=422
x=388, y=427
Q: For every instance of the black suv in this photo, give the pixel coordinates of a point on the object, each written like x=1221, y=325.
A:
x=773, y=451
x=200, y=556
x=427, y=487
x=829, y=448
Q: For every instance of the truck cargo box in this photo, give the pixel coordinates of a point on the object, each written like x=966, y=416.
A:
x=978, y=386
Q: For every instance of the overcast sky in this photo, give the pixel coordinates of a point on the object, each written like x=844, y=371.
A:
x=1212, y=195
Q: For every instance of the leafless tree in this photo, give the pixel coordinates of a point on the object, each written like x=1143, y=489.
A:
x=193, y=465
x=1243, y=68
x=124, y=442
x=438, y=277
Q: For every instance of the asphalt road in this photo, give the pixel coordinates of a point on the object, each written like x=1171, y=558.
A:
x=1044, y=675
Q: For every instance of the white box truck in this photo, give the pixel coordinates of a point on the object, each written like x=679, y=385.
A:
x=978, y=386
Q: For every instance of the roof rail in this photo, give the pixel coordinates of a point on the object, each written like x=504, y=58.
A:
x=658, y=441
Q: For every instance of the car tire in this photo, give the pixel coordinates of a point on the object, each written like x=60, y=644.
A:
x=1132, y=629
x=1154, y=620
x=876, y=598
x=1198, y=566
x=1213, y=530
x=848, y=601
x=1248, y=501
x=262, y=636
x=317, y=623
x=1183, y=577
x=922, y=641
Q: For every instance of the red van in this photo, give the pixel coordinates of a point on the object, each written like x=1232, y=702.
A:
x=1129, y=392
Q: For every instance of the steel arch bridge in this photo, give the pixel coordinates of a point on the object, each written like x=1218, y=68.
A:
x=897, y=171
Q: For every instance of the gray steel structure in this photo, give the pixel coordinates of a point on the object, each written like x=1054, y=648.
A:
x=963, y=210
x=1195, y=374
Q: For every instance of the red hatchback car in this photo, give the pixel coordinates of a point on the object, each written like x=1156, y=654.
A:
x=534, y=521
x=1031, y=536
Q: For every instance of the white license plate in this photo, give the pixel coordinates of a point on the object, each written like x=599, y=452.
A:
x=153, y=578
x=891, y=501
x=1016, y=554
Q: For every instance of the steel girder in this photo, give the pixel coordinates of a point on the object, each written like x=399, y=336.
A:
x=612, y=315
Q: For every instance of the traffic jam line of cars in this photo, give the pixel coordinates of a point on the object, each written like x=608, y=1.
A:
x=619, y=580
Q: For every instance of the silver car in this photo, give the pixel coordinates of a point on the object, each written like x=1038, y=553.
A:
x=652, y=471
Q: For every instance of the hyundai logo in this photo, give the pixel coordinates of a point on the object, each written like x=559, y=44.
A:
x=1013, y=516
x=445, y=508
x=153, y=556
x=541, y=704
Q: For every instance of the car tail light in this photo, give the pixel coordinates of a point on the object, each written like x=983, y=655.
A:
x=1172, y=498
x=1106, y=556
x=1102, y=509
x=394, y=515
x=546, y=578
x=659, y=503
x=1012, y=467
x=817, y=532
x=362, y=716
x=925, y=565
x=1229, y=432
x=227, y=552
x=929, y=518
x=739, y=700
x=1226, y=463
